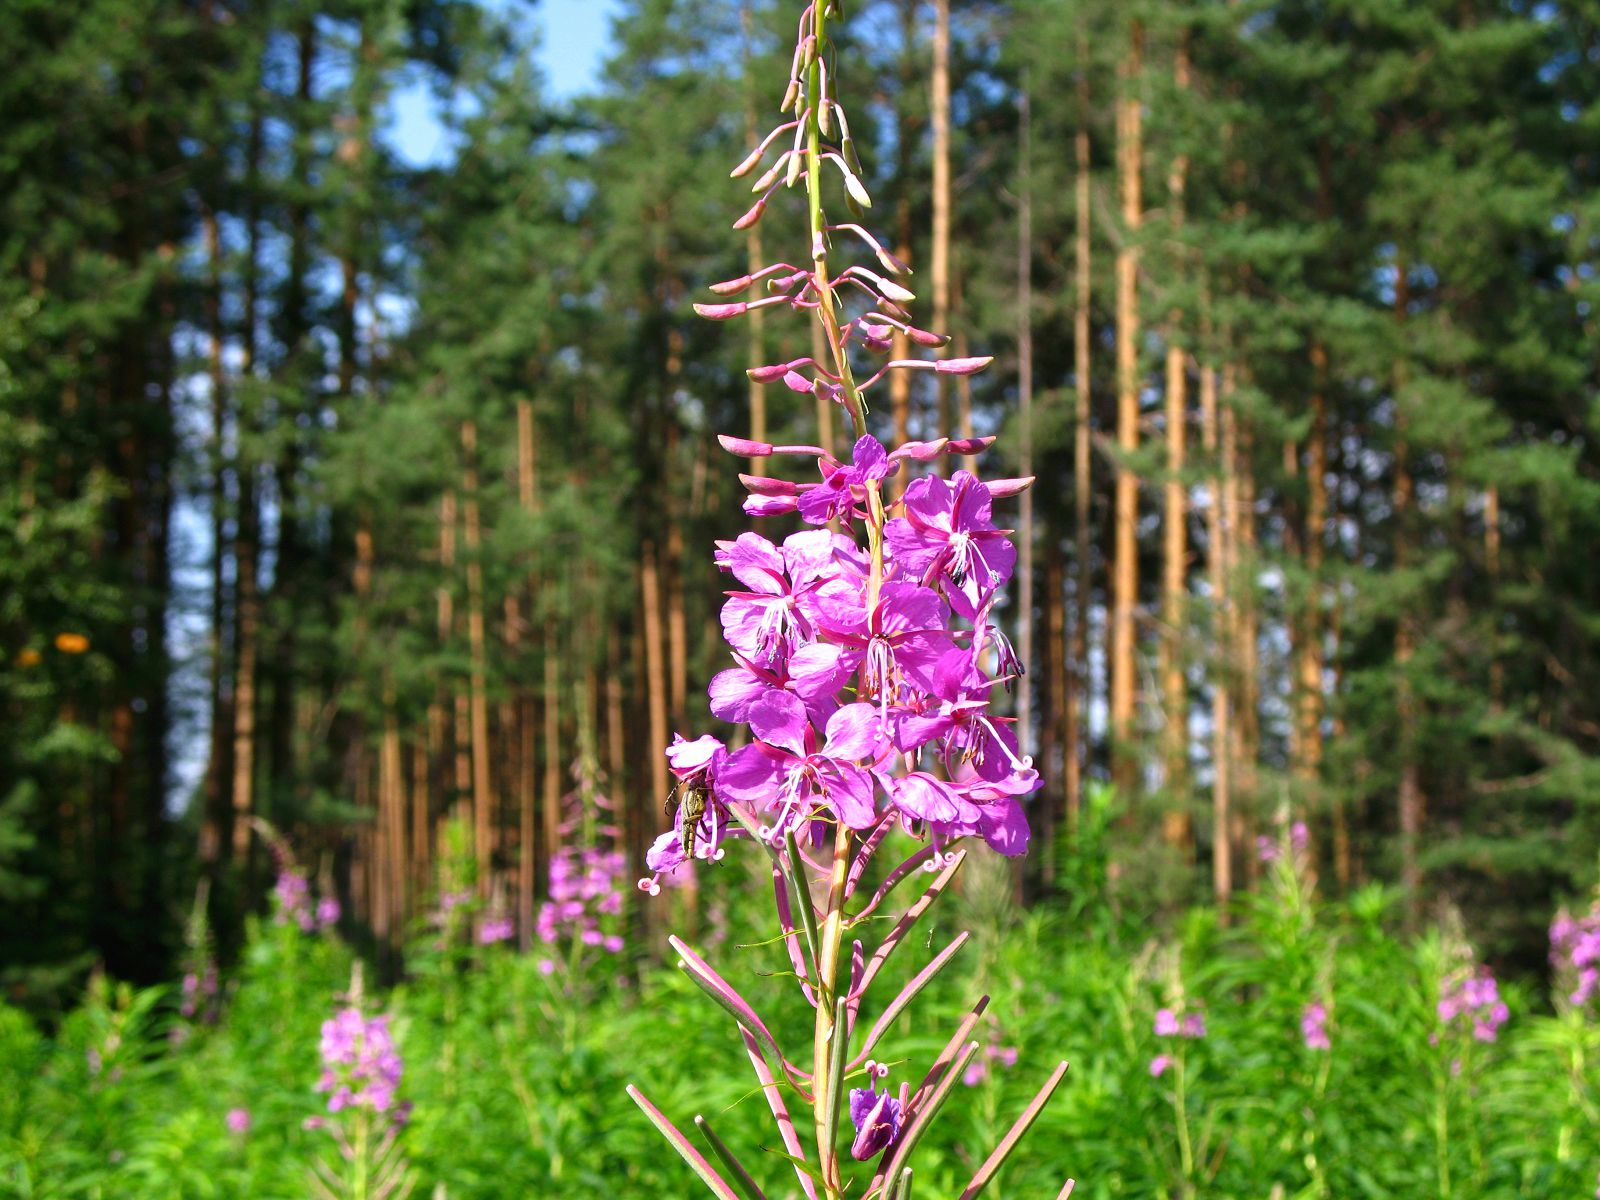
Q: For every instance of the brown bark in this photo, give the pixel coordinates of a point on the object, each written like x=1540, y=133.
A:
x=1077, y=698
x=1175, y=824
x=1125, y=578
x=1217, y=576
x=1247, y=721
x=1411, y=801
x=1491, y=564
x=483, y=808
x=552, y=745
x=219, y=753
x=655, y=674
x=1309, y=650
x=525, y=782
x=246, y=544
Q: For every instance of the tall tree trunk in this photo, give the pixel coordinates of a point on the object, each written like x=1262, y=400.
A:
x=1248, y=714
x=247, y=535
x=526, y=759
x=1075, y=740
x=1411, y=800
x=1175, y=824
x=218, y=765
x=655, y=676
x=484, y=817
x=1308, y=652
x=1217, y=575
x=1126, y=556
x=1491, y=566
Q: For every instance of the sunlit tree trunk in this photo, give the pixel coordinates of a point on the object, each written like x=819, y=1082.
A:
x=1074, y=732
x=1174, y=688
x=1410, y=800
x=1125, y=577
x=1217, y=576
x=483, y=811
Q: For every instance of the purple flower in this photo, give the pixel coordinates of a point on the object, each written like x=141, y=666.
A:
x=496, y=929
x=327, y=912
x=1166, y=1023
x=773, y=617
x=361, y=1067
x=947, y=534
x=1159, y=1065
x=1194, y=1025
x=835, y=498
x=786, y=768
x=898, y=646
x=1314, y=1026
x=1470, y=1001
x=238, y=1120
x=876, y=1116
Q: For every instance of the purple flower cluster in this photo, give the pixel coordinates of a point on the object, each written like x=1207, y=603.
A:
x=1269, y=849
x=1575, y=953
x=496, y=929
x=238, y=1120
x=360, y=1066
x=1314, y=1026
x=1471, y=1000
x=994, y=1054
x=198, y=990
x=1169, y=1024
x=866, y=677
x=292, y=894
x=586, y=886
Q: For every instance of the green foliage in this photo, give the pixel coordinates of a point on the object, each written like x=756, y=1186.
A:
x=516, y=1075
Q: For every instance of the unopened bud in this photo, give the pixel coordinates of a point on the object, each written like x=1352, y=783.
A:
x=744, y=447
x=752, y=215
x=856, y=189
x=962, y=366
x=721, y=312
x=1008, y=487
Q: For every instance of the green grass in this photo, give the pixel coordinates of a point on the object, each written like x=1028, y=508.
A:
x=517, y=1078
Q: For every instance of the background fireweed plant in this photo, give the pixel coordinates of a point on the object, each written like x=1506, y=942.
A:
x=865, y=676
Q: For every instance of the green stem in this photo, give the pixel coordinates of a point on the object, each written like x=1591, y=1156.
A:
x=1180, y=1105
x=1441, y=1133
x=358, y=1179
x=827, y=302
x=832, y=935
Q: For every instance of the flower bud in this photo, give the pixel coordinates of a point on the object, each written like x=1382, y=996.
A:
x=721, y=312
x=797, y=382
x=962, y=366
x=744, y=447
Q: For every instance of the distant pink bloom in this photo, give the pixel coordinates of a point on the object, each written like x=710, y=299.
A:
x=238, y=1120
x=1159, y=1065
x=1166, y=1023
x=1314, y=1026
x=1194, y=1025
x=496, y=929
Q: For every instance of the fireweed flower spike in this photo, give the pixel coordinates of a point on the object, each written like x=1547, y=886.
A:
x=864, y=666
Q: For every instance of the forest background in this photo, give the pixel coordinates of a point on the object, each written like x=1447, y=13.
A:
x=345, y=492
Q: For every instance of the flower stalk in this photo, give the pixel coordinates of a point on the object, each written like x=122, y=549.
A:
x=865, y=659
